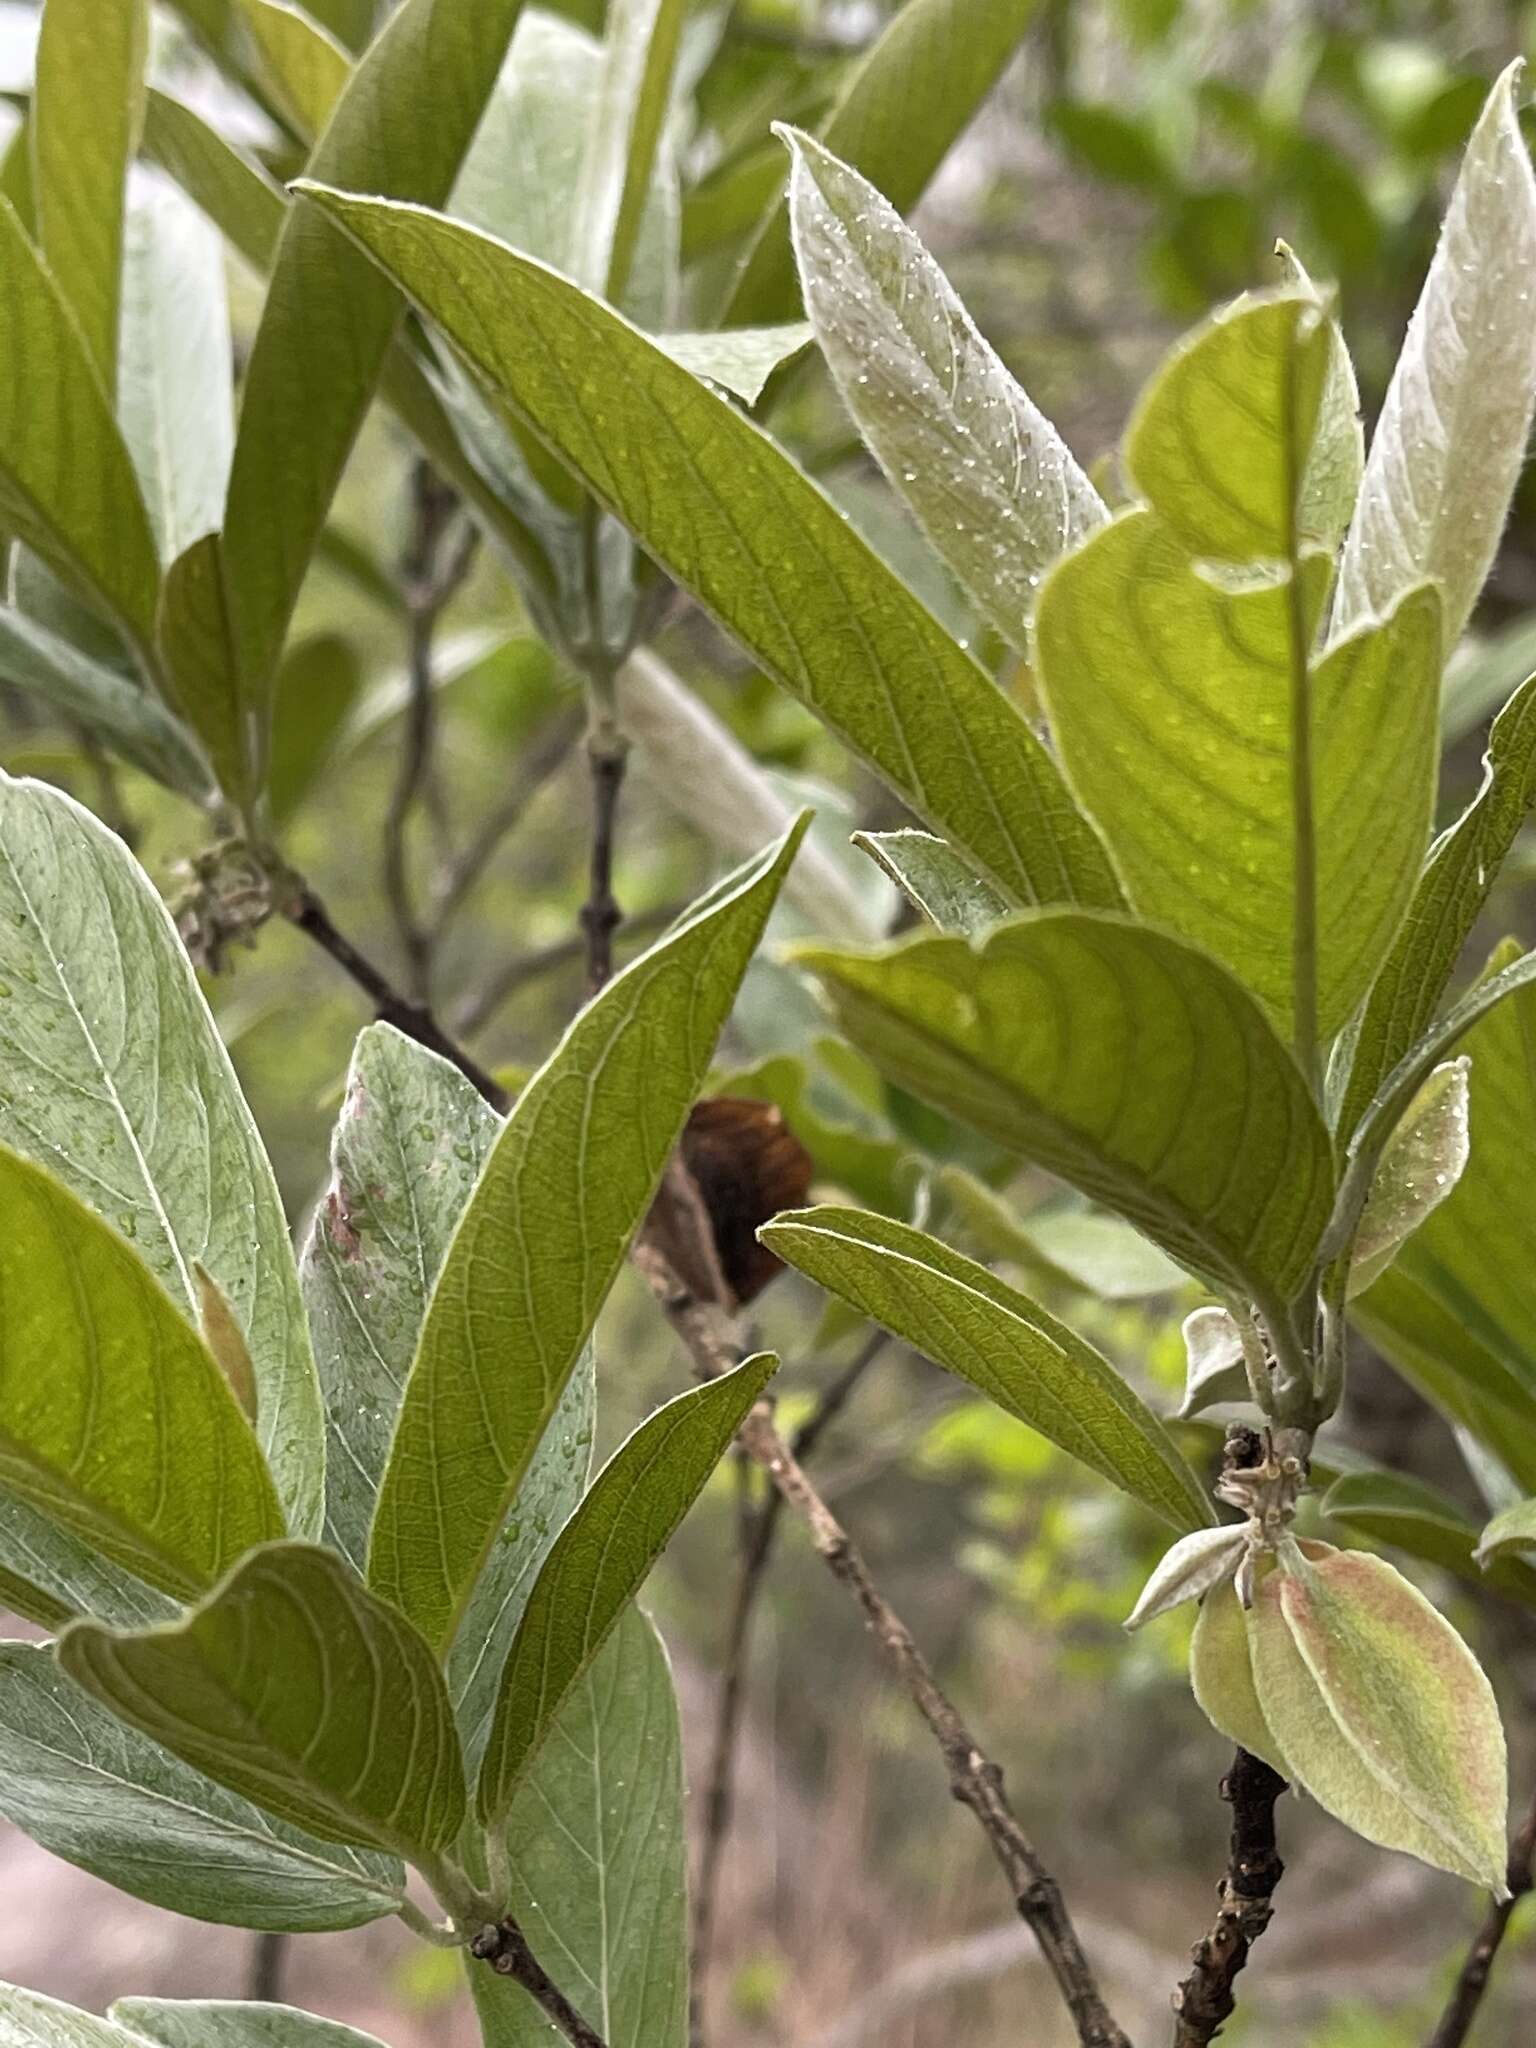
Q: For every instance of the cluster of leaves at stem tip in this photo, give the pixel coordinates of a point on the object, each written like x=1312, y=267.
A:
x=327, y=1568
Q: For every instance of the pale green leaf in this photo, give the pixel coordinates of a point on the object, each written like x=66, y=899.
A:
x=977, y=1327
x=1450, y=440
x=1221, y=1677
x=86, y=109
x=1424, y=1159
x=67, y=485
x=1331, y=483
x=132, y=1439
x=934, y=878
x=1483, y=673
x=723, y=510
x=96, y=1792
x=611, y=1774
x=704, y=773
x=295, y=1687
x=402, y=125
x=1395, y=1508
x=1514, y=1530
x=1214, y=1370
x=739, y=359
x=175, y=367
x=901, y=109
x=29, y=2020
x=135, y=724
x=1196, y=1564
x=624, y=139
x=199, y=2023
x=563, y=1192
x=307, y=66
x=599, y=1562
x=1462, y=867
x=520, y=175
x=1219, y=443
x=1382, y=1711
x=51, y=1574
x=1124, y=1061
x=987, y=477
x=233, y=190
x=114, y=1077
x=1174, y=704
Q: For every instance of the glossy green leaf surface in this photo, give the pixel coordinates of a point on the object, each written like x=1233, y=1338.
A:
x=147, y=1123
x=901, y=109
x=595, y=1841
x=295, y=1687
x=86, y=109
x=132, y=1439
x=329, y=316
x=1124, y=1061
x=96, y=1792
x=599, y=1562
x=723, y=510
x=987, y=477
x=977, y=1327
x=563, y=1192
x=1172, y=701
x=1462, y=867
x=67, y=485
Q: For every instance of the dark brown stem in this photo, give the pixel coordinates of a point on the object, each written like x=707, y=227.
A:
x=269, y=1953
x=708, y=1332
x=1472, y=1981
x=430, y=575
x=1205, y=2001
x=607, y=752
x=303, y=908
x=719, y=1797
x=505, y=1948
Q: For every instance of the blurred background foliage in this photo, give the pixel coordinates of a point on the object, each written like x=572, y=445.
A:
x=1138, y=163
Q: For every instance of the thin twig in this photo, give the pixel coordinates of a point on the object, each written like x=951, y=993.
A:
x=522, y=969
x=505, y=1948
x=1472, y=1980
x=429, y=579
x=297, y=902
x=547, y=751
x=708, y=1333
x=269, y=1953
x=1204, y=2002
x=719, y=1797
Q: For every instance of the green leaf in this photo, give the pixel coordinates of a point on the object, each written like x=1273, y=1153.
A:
x=67, y=485
x=987, y=477
x=936, y=881
x=599, y=1562
x=195, y=631
x=295, y=1687
x=1093, y=1252
x=28, y=2020
x=1141, y=660
x=329, y=316
x=1214, y=1366
x=900, y=111
x=319, y=682
x=86, y=110
x=1483, y=673
x=1219, y=443
x=133, y=1441
x=1514, y=1530
x=123, y=714
x=612, y=1770
x=1332, y=480
x=739, y=359
x=1450, y=441
x=542, y=1242
x=1462, y=867
x=176, y=367
x=307, y=65
x=1221, y=1676
x=1395, y=1508
x=151, y=1128
x=1424, y=1159
x=232, y=189
x=977, y=1327
x=1194, y=1566
x=625, y=139
x=1383, y=1713
x=723, y=510
x=1124, y=1061
x=51, y=1574
x=206, y=2023
x=93, y=1790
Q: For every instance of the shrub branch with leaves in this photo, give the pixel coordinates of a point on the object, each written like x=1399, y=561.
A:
x=325, y=1568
